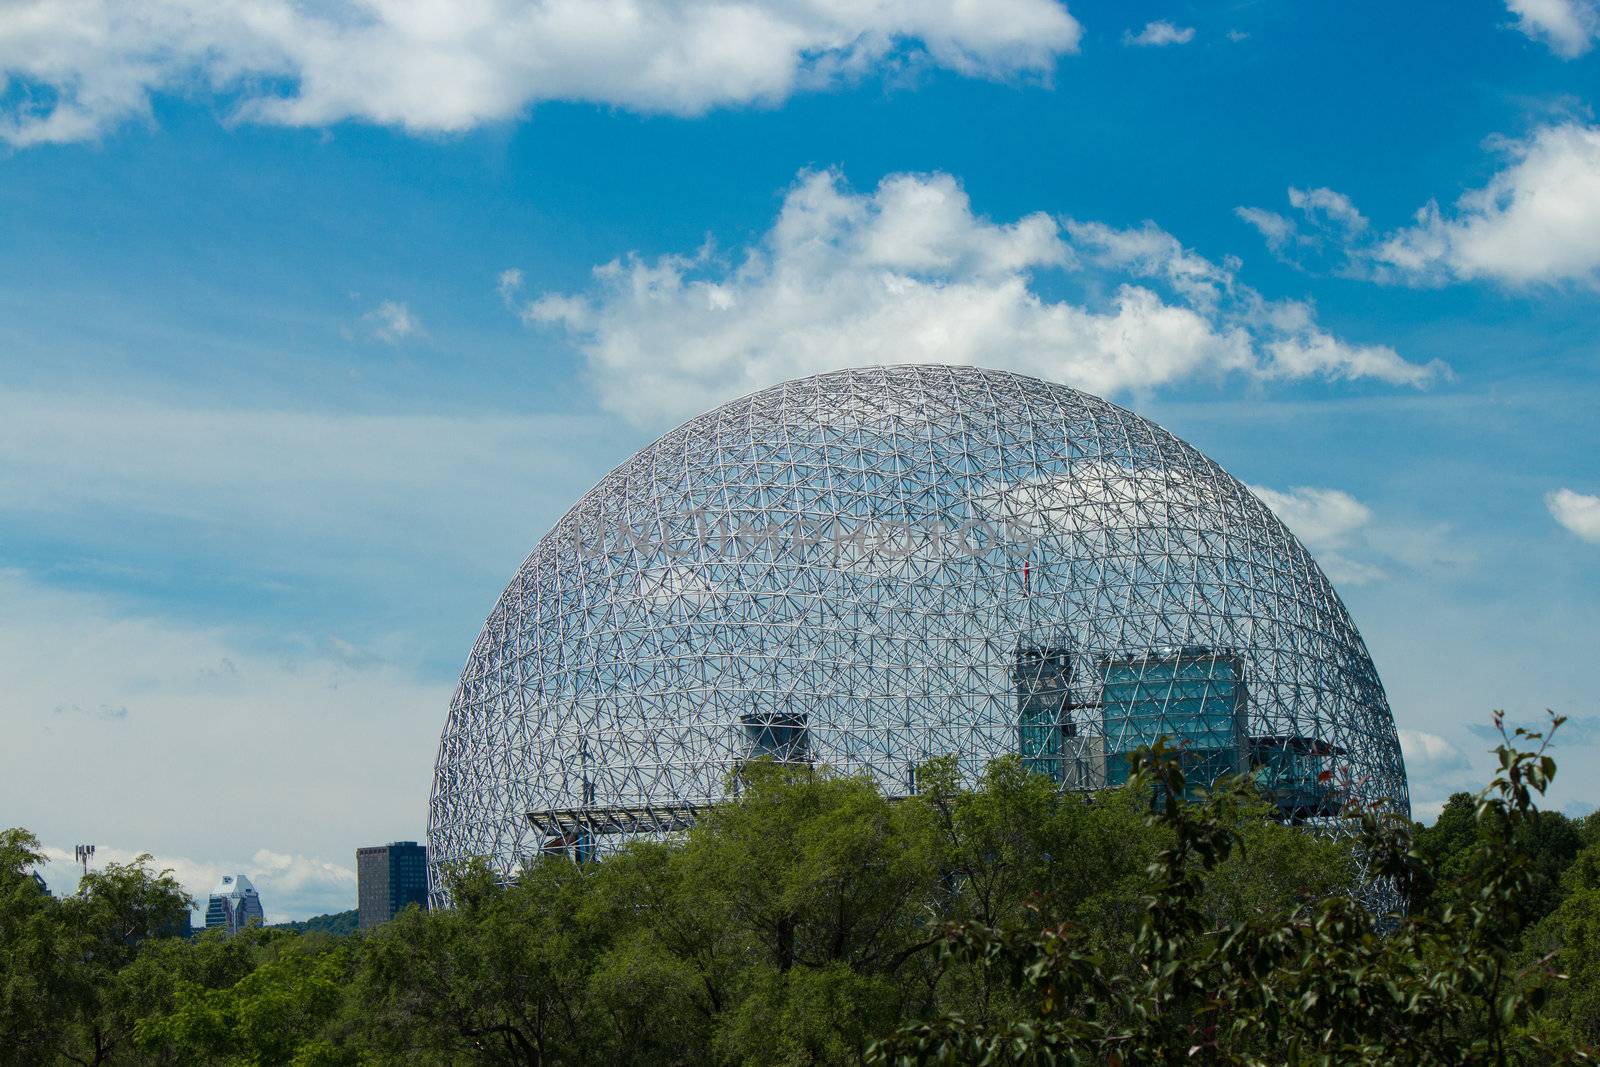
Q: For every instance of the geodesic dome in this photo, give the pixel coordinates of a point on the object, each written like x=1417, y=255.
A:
x=867, y=568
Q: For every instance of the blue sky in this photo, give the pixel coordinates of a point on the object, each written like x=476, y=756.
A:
x=314, y=317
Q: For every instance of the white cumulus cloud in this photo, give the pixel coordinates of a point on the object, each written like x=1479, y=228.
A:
x=392, y=322
x=1435, y=768
x=1277, y=230
x=1158, y=33
x=76, y=68
x=1355, y=547
x=1536, y=221
x=1322, y=518
x=1428, y=754
x=909, y=273
x=297, y=886
x=1326, y=521
x=1329, y=217
x=1327, y=204
x=1569, y=27
x=1578, y=512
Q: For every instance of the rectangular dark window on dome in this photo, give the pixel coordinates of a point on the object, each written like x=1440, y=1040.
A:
x=782, y=736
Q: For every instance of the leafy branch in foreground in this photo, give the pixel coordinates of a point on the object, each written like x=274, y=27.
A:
x=1323, y=983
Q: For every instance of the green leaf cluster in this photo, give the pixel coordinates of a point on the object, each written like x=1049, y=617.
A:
x=1471, y=975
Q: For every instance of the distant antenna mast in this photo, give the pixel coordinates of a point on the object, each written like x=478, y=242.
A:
x=85, y=853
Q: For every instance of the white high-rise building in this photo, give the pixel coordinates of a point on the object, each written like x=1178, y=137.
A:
x=234, y=905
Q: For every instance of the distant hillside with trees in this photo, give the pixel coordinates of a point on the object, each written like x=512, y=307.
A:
x=812, y=920
x=338, y=924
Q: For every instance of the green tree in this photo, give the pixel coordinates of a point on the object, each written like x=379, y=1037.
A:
x=808, y=916
x=807, y=1015
x=35, y=980
x=809, y=891
x=498, y=979
x=1299, y=985
x=1017, y=841
x=115, y=912
x=814, y=869
x=1453, y=844
x=1567, y=943
x=647, y=1006
x=275, y=1014
x=339, y=924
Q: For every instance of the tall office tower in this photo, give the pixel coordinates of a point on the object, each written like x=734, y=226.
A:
x=389, y=877
x=234, y=905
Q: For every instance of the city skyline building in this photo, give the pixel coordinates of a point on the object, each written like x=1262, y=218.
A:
x=868, y=568
x=234, y=904
x=389, y=878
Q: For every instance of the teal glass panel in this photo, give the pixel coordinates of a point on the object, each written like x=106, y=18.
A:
x=1041, y=677
x=1294, y=773
x=1194, y=699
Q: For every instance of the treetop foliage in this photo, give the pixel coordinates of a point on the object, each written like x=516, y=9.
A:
x=338, y=924
x=811, y=920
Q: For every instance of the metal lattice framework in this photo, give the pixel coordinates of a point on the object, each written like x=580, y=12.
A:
x=871, y=567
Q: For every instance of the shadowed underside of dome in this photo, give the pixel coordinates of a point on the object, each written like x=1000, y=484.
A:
x=868, y=568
